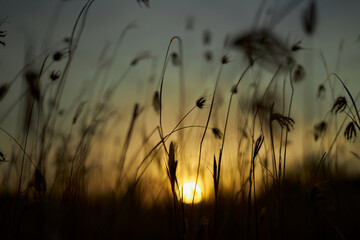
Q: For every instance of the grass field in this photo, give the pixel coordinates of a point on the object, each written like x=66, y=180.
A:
x=271, y=151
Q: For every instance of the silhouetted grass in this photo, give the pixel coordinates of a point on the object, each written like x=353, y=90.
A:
x=51, y=187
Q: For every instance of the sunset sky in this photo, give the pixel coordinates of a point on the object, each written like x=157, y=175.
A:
x=29, y=25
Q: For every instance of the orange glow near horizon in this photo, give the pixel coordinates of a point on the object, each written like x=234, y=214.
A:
x=187, y=191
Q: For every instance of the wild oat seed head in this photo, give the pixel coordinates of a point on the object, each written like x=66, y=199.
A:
x=200, y=102
x=175, y=59
x=234, y=89
x=320, y=91
x=296, y=46
x=217, y=133
x=299, y=73
x=350, y=131
x=2, y=157
x=339, y=105
x=57, y=56
x=319, y=129
x=207, y=37
x=225, y=59
x=208, y=55
x=283, y=121
x=55, y=75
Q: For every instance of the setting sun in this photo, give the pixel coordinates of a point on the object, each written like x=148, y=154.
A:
x=187, y=189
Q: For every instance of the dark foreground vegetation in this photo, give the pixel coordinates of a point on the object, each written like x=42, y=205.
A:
x=329, y=211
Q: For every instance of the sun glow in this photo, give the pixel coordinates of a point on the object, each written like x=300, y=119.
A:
x=187, y=191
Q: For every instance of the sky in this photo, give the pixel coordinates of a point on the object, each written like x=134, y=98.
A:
x=30, y=23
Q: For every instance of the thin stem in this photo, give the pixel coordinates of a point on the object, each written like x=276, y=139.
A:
x=286, y=133
x=17, y=143
x=203, y=136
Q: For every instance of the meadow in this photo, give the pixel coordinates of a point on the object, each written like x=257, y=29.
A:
x=248, y=135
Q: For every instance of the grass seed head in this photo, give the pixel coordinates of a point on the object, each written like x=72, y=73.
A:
x=296, y=46
x=225, y=59
x=339, y=105
x=2, y=157
x=31, y=78
x=319, y=129
x=58, y=56
x=263, y=44
x=175, y=59
x=189, y=23
x=234, y=89
x=139, y=57
x=145, y=2
x=258, y=144
x=2, y=32
x=321, y=126
x=321, y=91
x=350, y=131
x=200, y=102
x=172, y=166
x=208, y=55
x=156, y=102
x=283, y=121
x=299, y=73
x=310, y=18
x=217, y=133
x=207, y=37
x=55, y=75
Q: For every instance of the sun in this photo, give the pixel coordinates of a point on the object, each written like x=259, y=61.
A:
x=187, y=191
